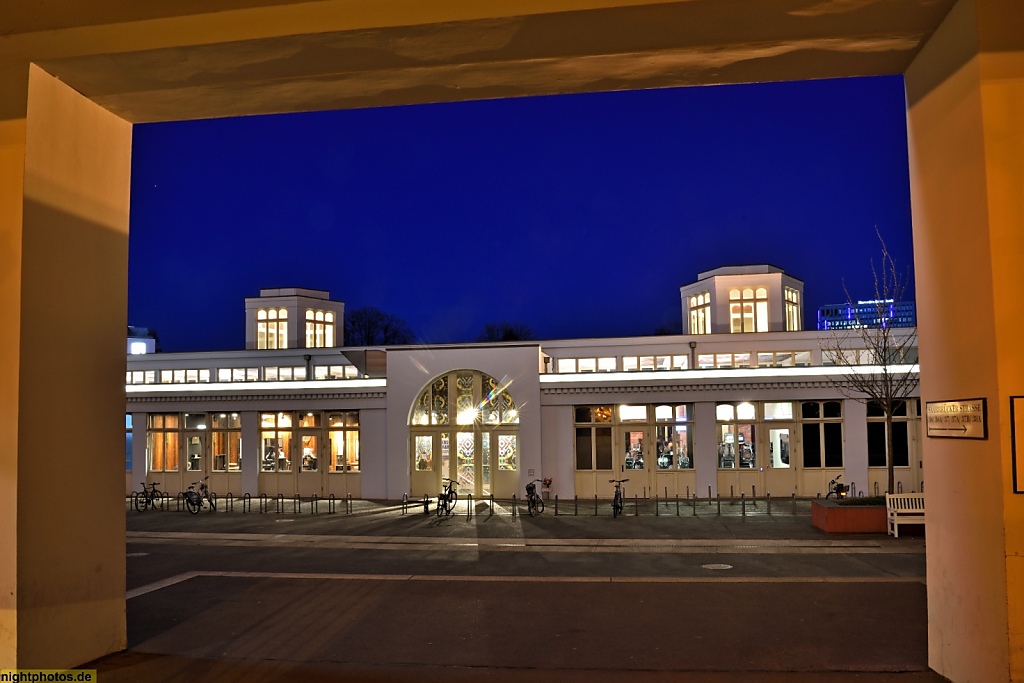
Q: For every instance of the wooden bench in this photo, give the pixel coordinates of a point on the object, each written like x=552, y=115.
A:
x=903, y=508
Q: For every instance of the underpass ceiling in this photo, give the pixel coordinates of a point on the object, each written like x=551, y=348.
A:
x=160, y=67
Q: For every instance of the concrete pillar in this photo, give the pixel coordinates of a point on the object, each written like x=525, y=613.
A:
x=705, y=447
x=855, y=446
x=965, y=98
x=63, y=287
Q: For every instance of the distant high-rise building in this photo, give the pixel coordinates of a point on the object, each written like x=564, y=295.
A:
x=873, y=313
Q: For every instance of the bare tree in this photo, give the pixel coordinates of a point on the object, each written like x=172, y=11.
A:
x=369, y=326
x=877, y=357
x=506, y=331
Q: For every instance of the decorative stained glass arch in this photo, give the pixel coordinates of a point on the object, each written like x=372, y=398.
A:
x=464, y=397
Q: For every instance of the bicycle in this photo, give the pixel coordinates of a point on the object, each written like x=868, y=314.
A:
x=142, y=500
x=194, y=498
x=447, y=498
x=837, y=489
x=617, y=499
x=534, y=503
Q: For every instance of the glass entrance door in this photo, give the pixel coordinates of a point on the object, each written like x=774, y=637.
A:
x=635, y=460
x=195, y=466
x=465, y=464
x=310, y=466
x=781, y=474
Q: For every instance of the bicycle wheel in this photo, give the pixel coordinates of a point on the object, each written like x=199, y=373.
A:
x=192, y=504
x=138, y=502
x=530, y=505
x=538, y=504
x=829, y=494
x=616, y=505
x=441, y=505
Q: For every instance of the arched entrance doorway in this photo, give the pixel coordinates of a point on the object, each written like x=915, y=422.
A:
x=464, y=426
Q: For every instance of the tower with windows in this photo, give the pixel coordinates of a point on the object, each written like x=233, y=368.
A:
x=294, y=318
x=742, y=299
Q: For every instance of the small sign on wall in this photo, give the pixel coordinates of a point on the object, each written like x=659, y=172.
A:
x=962, y=419
x=1017, y=431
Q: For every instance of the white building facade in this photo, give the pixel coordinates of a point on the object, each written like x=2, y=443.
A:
x=747, y=403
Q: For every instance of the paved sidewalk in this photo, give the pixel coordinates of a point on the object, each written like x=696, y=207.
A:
x=378, y=595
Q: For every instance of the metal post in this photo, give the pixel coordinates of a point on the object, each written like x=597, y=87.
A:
x=657, y=513
x=556, y=505
x=575, y=505
x=743, y=504
x=313, y=507
x=694, y=504
x=280, y=503
x=732, y=494
x=677, y=504
x=636, y=506
x=595, y=505
x=753, y=495
x=513, y=505
x=490, y=507
x=348, y=504
x=719, y=497
x=709, y=495
x=469, y=506
x=794, y=503
x=297, y=504
x=229, y=505
x=331, y=501
x=426, y=504
x=768, y=498
x=246, y=503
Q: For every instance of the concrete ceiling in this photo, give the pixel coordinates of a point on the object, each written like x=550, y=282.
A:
x=162, y=61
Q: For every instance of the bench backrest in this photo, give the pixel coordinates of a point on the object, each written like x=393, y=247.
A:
x=905, y=501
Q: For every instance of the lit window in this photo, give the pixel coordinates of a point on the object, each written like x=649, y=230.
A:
x=700, y=313
x=272, y=328
x=630, y=363
x=748, y=310
x=606, y=364
x=319, y=329
x=567, y=365
x=587, y=364
x=138, y=348
x=792, y=310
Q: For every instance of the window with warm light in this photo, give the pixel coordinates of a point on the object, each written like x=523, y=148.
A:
x=737, y=448
x=748, y=309
x=272, y=328
x=700, y=313
x=792, y=297
x=319, y=329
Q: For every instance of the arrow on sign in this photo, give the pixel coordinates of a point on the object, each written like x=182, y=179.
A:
x=962, y=430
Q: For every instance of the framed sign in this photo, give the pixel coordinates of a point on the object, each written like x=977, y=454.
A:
x=965, y=418
x=1017, y=430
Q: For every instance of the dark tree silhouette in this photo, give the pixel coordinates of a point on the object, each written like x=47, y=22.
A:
x=506, y=331
x=875, y=342
x=369, y=326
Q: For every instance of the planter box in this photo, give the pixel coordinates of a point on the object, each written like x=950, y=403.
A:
x=833, y=518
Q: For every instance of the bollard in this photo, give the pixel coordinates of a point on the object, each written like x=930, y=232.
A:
x=575, y=506
x=213, y=502
x=768, y=498
x=556, y=505
x=513, y=505
x=656, y=512
x=876, y=488
x=732, y=494
x=313, y=506
x=636, y=506
x=677, y=504
x=348, y=504
x=666, y=493
x=296, y=505
x=405, y=503
x=280, y=503
x=719, y=497
x=709, y=495
x=899, y=487
x=426, y=504
x=490, y=507
x=595, y=505
x=694, y=504
x=794, y=503
x=246, y=503
x=469, y=506
x=753, y=495
x=743, y=504
x=229, y=502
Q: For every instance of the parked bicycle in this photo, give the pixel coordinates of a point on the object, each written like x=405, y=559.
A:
x=534, y=503
x=618, y=502
x=837, y=489
x=447, y=498
x=196, y=494
x=142, y=500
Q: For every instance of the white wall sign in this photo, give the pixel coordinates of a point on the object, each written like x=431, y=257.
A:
x=963, y=419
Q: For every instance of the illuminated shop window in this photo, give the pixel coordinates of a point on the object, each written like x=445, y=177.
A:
x=272, y=328
x=275, y=442
x=737, y=448
x=319, y=329
x=226, y=442
x=344, y=436
x=792, y=310
x=162, y=442
x=700, y=313
x=748, y=310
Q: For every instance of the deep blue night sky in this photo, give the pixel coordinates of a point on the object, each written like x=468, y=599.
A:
x=578, y=215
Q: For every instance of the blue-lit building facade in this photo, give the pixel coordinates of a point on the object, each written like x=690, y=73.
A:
x=872, y=313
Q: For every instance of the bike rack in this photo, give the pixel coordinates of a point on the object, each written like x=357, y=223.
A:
x=899, y=487
x=491, y=506
x=794, y=503
x=768, y=501
x=246, y=503
x=595, y=505
x=348, y=504
x=297, y=505
x=719, y=497
x=556, y=505
x=280, y=503
x=657, y=513
x=229, y=502
x=677, y=500
x=636, y=506
x=264, y=503
x=213, y=501
x=469, y=506
x=405, y=503
x=331, y=502
x=314, y=508
x=179, y=501
x=709, y=495
x=694, y=504
x=575, y=506
x=513, y=505
x=743, y=504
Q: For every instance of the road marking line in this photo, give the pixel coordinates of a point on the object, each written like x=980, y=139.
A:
x=180, y=578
